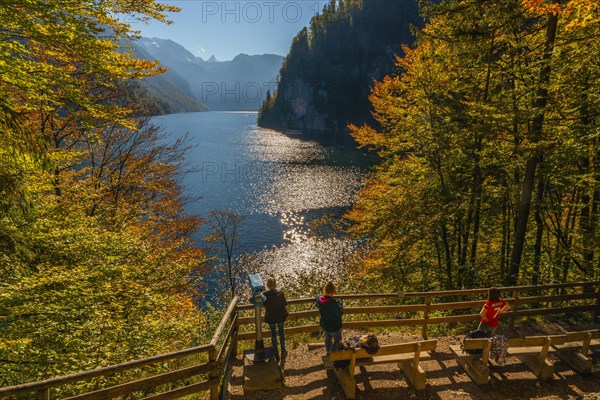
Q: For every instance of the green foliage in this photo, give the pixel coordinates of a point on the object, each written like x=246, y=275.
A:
x=90, y=295
x=48, y=49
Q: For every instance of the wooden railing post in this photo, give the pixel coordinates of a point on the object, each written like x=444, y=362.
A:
x=515, y=307
x=426, y=316
x=43, y=394
x=234, y=341
x=214, y=374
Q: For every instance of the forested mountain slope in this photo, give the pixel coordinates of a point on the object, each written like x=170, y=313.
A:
x=325, y=79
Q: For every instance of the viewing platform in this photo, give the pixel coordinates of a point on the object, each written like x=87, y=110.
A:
x=215, y=370
x=306, y=378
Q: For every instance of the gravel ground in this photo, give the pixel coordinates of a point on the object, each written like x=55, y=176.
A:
x=305, y=377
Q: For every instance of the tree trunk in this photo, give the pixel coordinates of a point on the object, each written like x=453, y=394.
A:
x=570, y=229
x=445, y=241
x=448, y=255
x=537, y=247
x=438, y=258
x=522, y=216
x=586, y=218
x=505, y=241
x=477, y=189
x=460, y=277
x=537, y=126
x=587, y=231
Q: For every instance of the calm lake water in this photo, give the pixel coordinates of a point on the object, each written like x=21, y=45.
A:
x=278, y=182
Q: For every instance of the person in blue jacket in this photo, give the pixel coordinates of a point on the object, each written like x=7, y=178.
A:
x=331, y=310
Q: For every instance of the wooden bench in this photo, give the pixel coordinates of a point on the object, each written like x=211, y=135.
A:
x=406, y=355
x=575, y=350
x=476, y=365
x=531, y=351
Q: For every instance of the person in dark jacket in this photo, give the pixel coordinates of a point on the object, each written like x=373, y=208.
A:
x=331, y=310
x=275, y=314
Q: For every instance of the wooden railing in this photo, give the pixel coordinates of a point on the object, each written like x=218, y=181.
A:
x=422, y=307
x=210, y=365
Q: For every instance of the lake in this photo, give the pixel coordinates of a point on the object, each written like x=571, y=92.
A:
x=279, y=182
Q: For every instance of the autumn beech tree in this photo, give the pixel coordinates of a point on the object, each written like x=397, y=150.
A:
x=58, y=58
x=489, y=126
x=97, y=261
x=49, y=48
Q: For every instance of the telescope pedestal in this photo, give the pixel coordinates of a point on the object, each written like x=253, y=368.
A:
x=265, y=375
x=260, y=353
x=261, y=370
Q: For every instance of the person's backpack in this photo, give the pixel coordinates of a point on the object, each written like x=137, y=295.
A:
x=476, y=334
x=369, y=343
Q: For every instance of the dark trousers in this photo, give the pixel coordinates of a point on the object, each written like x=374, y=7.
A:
x=274, y=328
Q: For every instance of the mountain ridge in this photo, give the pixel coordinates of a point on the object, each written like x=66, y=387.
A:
x=240, y=84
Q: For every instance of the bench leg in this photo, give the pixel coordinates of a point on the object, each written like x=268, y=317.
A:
x=346, y=379
x=543, y=369
x=478, y=371
x=416, y=376
x=576, y=360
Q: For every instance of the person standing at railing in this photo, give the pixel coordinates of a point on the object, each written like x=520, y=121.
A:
x=490, y=312
x=276, y=312
x=331, y=310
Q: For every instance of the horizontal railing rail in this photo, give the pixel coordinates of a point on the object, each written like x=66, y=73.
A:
x=87, y=375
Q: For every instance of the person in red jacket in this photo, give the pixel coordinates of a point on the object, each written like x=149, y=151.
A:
x=490, y=312
x=276, y=313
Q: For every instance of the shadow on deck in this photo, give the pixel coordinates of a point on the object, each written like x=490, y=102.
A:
x=306, y=379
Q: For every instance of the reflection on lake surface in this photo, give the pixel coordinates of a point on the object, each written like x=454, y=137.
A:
x=279, y=182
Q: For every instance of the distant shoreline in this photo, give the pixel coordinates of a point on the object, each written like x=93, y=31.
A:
x=209, y=111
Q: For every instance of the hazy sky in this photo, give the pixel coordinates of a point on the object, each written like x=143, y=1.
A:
x=226, y=28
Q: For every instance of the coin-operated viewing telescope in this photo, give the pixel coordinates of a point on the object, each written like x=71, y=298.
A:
x=261, y=370
x=257, y=298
